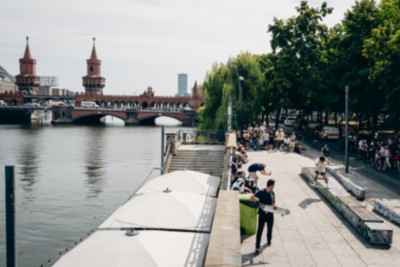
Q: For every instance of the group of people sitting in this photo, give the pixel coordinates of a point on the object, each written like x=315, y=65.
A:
x=264, y=138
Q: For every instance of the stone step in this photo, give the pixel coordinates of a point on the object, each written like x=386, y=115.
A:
x=205, y=161
x=197, y=153
x=215, y=163
x=198, y=165
x=197, y=169
x=198, y=159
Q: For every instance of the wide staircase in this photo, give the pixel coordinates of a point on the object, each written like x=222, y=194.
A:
x=206, y=159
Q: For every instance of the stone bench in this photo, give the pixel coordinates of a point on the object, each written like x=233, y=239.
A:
x=389, y=212
x=372, y=228
x=356, y=190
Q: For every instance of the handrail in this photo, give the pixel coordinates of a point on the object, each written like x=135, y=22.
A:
x=228, y=186
x=230, y=145
x=201, y=136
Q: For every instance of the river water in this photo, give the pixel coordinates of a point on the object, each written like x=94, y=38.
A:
x=69, y=179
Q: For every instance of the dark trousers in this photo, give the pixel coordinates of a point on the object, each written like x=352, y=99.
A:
x=262, y=219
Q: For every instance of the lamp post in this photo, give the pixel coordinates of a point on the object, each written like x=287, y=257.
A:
x=229, y=114
x=346, y=114
x=240, y=79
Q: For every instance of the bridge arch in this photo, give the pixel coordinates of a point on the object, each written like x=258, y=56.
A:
x=150, y=119
x=95, y=118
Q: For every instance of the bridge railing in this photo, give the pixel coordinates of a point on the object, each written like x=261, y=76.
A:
x=200, y=137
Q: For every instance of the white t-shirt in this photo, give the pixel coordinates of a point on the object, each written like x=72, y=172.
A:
x=266, y=136
x=360, y=143
x=238, y=185
x=321, y=166
x=286, y=140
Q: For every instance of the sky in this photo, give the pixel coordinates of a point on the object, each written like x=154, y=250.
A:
x=141, y=43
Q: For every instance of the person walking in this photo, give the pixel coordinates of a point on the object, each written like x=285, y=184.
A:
x=254, y=168
x=292, y=142
x=388, y=155
x=279, y=139
x=265, y=196
x=321, y=163
x=325, y=150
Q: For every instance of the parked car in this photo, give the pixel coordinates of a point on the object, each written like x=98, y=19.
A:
x=3, y=103
x=58, y=104
x=290, y=121
x=283, y=117
x=32, y=105
x=329, y=133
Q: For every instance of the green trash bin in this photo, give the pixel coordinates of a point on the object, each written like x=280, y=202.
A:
x=248, y=214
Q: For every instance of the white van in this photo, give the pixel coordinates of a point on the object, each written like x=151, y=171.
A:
x=330, y=133
x=89, y=104
x=2, y=103
x=290, y=121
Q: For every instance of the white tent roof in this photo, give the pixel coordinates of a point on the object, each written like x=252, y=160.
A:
x=173, y=210
x=185, y=181
x=148, y=248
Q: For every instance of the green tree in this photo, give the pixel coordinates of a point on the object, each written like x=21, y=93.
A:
x=246, y=76
x=300, y=59
x=357, y=27
x=223, y=82
x=384, y=50
x=211, y=115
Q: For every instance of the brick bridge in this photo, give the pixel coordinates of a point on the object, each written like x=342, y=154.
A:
x=66, y=115
x=144, y=101
x=134, y=109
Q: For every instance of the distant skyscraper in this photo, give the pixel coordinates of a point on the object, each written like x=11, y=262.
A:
x=182, y=84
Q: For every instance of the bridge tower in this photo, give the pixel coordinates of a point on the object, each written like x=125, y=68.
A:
x=27, y=81
x=93, y=81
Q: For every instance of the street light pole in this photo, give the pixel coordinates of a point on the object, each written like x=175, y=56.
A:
x=240, y=79
x=229, y=114
x=346, y=155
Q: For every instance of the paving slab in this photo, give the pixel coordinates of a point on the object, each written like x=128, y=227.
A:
x=314, y=234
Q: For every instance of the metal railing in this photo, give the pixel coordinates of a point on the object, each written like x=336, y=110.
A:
x=201, y=137
x=227, y=168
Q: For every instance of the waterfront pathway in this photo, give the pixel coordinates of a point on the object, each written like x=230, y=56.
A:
x=314, y=234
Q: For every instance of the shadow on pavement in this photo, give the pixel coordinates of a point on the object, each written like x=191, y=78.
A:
x=307, y=202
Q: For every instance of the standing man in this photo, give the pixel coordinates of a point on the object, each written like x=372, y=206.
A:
x=292, y=142
x=254, y=168
x=265, y=196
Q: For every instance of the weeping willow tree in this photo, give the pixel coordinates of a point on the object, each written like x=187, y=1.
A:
x=241, y=79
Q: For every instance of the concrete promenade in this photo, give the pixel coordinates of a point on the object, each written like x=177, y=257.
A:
x=314, y=234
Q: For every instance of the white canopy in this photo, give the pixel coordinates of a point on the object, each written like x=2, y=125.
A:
x=165, y=210
x=185, y=181
x=148, y=248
